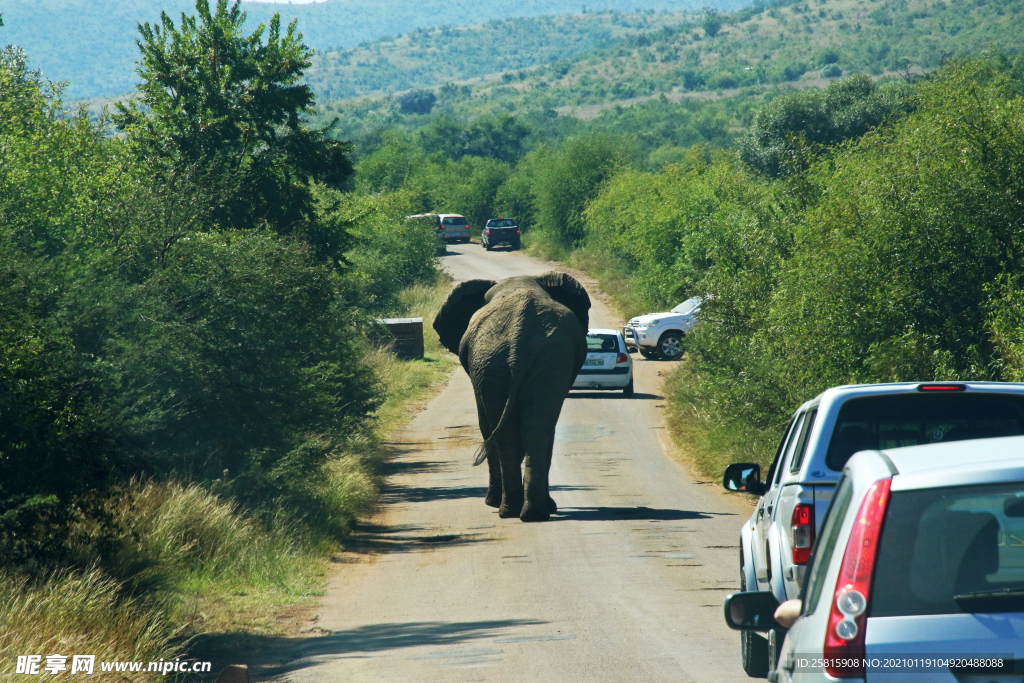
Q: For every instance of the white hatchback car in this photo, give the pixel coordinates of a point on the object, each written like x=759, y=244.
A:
x=917, y=575
x=608, y=366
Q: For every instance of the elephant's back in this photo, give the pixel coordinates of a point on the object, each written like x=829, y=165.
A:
x=522, y=321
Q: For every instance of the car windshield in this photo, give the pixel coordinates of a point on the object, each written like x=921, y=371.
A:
x=895, y=421
x=500, y=223
x=602, y=343
x=947, y=550
x=453, y=220
x=688, y=306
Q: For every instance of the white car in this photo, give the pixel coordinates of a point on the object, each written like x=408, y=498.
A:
x=660, y=335
x=918, y=574
x=608, y=366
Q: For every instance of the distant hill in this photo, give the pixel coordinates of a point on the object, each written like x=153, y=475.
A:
x=752, y=50
x=426, y=58
x=92, y=44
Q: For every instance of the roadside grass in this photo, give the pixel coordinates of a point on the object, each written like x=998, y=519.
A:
x=705, y=441
x=173, y=560
x=544, y=245
x=408, y=381
x=71, y=613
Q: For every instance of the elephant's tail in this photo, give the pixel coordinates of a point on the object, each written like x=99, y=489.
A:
x=506, y=416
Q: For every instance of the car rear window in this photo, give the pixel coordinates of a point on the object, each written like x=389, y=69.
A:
x=453, y=220
x=878, y=422
x=500, y=223
x=602, y=343
x=938, y=544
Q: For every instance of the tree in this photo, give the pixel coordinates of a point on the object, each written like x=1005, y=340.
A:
x=417, y=102
x=845, y=109
x=572, y=178
x=231, y=104
x=712, y=24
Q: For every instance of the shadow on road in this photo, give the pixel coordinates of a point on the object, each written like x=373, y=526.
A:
x=414, y=467
x=638, y=396
x=611, y=514
x=279, y=655
x=396, y=493
x=374, y=539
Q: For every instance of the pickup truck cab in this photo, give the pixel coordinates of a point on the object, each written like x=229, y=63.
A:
x=776, y=542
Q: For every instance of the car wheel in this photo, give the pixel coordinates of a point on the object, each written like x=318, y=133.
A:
x=649, y=355
x=516, y=246
x=628, y=390
x=670, y=346
x=488, y=247
x=753, y=648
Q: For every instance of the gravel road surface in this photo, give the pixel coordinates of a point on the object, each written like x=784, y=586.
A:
x=624, y=584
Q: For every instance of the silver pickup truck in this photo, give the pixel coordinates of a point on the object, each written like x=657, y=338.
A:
x=776, y=542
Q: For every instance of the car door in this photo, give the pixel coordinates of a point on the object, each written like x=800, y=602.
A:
x=765, y=507
x=791, y=493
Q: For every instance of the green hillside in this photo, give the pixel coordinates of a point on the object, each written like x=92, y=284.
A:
x=92, y=44
x=804, y=43
x=426, y=58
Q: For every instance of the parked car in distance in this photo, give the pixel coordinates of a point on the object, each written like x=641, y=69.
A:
x=499, y=232
x=776, y=542
x=660, y=335
x=920, y=558
x=453, y=228
x=608, y=366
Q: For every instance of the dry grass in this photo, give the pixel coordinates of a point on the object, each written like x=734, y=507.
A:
x=197, y=563
x=79, y=613
x=408, y=381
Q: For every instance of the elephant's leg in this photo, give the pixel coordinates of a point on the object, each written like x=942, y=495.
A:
x=510, y=449
x=493, y=498
x=494, y=487
x=540, y=412
x=505, y=451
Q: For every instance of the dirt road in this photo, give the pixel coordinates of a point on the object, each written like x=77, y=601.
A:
x=624, y=584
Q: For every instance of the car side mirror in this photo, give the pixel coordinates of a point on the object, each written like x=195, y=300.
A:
x=751, y=611
x=743, y=476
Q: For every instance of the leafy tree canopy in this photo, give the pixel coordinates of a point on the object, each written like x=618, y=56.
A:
x=231, y=104
x=845, y=109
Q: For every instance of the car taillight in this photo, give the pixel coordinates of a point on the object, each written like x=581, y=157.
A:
x=488, y=232
x=517, y=232
x=844, y=639
x=623, y=358
x=801, y=533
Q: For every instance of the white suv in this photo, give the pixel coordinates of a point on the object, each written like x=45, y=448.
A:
x=775, y=543
x=918, y=574
x=660, y=335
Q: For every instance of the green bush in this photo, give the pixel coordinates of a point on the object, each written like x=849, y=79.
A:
x=845, y=109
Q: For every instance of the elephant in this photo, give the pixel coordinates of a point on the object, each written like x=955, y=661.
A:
x=522, y=341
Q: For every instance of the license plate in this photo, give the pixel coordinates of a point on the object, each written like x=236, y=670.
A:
x=595, y=361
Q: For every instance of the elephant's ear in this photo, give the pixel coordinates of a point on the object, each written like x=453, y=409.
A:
x=453, y=318
x=565, y=289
